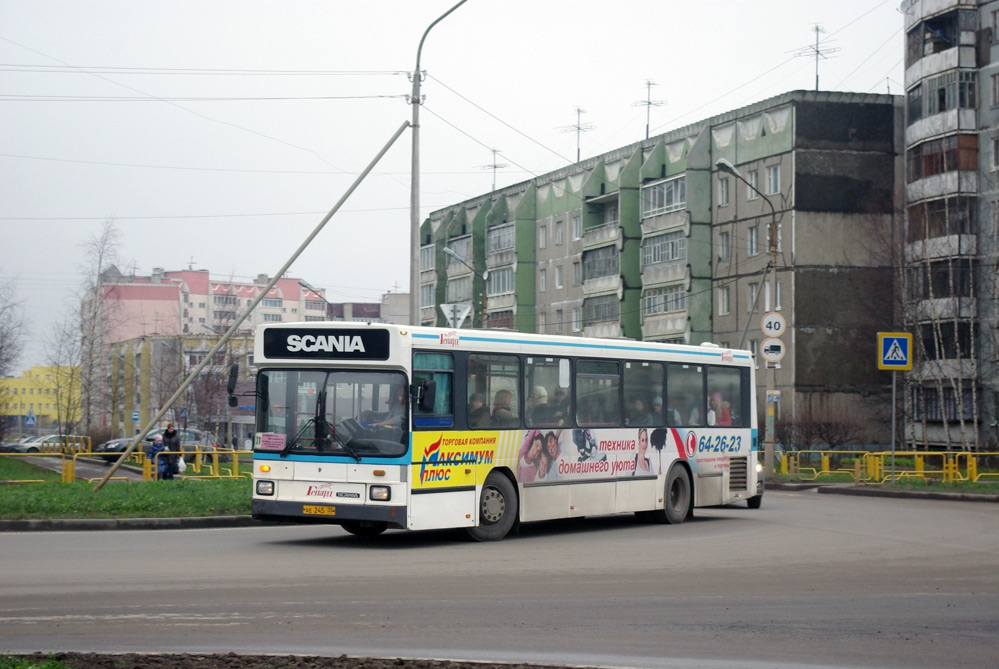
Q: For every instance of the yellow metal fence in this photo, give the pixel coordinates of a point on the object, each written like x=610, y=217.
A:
x=204, y=463
x=876, y=466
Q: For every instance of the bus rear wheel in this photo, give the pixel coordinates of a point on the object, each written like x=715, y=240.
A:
x=678, y=502
x=497, y=509
x=364, y=529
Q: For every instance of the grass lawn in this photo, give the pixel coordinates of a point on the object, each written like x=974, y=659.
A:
x=153, y=499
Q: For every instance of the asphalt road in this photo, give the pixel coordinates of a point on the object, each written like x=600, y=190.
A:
x=809, y=580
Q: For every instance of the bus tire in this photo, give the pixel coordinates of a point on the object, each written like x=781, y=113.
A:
x=364, y=529
x=497, y=509
x=677, y=498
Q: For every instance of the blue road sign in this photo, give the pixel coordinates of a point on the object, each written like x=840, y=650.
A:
x=895, y=351
x=29, y=420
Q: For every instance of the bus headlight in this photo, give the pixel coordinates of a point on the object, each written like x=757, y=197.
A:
x=265, y=487
x=380, y=493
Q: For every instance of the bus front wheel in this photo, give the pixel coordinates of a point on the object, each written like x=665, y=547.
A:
x=678, y=501
x=497, y=509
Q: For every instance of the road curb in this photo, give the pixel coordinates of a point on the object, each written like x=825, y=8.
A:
x=98, y=524
x=906, y=494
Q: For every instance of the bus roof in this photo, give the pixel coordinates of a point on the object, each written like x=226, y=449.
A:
x=321, y=342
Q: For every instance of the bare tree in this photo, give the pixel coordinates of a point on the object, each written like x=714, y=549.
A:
x=63, y=350
x=98, y=318
x=12, y=333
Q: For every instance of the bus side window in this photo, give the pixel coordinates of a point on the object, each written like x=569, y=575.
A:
x=685, y=393
x=598, y=385
x=643, y=386
x=436, y=370
x=725, y=397
x=496, y=378
x=547, y=387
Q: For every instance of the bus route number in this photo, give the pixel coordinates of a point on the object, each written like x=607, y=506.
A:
x=719, y=444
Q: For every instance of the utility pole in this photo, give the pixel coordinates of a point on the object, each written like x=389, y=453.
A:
x=416, y=100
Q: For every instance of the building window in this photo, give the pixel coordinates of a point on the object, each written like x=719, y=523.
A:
x=559, y=315
x=314, y=305
x=577, y=273
x=601, y=309
x=995, y=90
x=724, y=245
x=558, y=276
x=664, y=196
x=226, y=299
x=954, y=90
x=542, y=322
x=777, y=302
x=995, y=153
x=914, y=104
x=462, y=248
x=501, y=319
x=499, y=281
x=427, y=295
x=559, y=233
x=542, y=236
x=272, y=318
x=753, y=186
x=427, y=258
x=610, y=214
x=664, y=249
x=270, y=302
x=542, y=281
x=600, y=262
x=943, y=217
x=723, y=192
x=500, y=238
x=927, y=404
x=459, y=289
x=724, y=306
x=577, y=319
x=948, y=154
x=773, y=180
x=577, y=227
x=753, y=241
x=663, y=300
x=754, y=294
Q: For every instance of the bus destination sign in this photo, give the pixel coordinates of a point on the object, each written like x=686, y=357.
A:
x=326, y=344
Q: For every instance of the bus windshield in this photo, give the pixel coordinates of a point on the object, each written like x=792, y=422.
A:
x=356, y=414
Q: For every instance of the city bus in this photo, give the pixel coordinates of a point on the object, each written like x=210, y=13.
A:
x=377, y=426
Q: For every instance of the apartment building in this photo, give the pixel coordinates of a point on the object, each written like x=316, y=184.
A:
x=951, y=302
x=655, y=241
x=40, y=400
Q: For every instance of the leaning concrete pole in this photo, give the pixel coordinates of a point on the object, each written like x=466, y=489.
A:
x=253, y=305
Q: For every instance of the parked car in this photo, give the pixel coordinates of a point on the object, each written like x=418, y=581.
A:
x=11, y=446
x=112, y=449
x=50, y=443
x=190, y=442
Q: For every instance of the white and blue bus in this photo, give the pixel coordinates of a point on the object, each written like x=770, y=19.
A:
x=376, y=426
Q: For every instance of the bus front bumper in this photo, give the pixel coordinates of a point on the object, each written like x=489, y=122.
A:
x=297, y=512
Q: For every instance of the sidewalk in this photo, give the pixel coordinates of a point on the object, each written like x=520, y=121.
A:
x=882, y=491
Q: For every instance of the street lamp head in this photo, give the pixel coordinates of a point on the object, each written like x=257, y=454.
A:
x=724, y=165
x=449, y=251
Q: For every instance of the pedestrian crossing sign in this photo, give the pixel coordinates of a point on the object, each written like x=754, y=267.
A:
x=895, y=350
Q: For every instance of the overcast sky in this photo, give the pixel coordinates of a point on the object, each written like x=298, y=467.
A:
x=217, y=134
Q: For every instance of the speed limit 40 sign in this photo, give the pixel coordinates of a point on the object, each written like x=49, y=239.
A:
x=773, y=324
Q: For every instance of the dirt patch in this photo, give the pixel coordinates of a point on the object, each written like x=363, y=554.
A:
x=234, y=661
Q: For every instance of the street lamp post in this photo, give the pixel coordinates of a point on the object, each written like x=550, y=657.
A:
x=485, y=288
x=414, y=192
x=768, y=444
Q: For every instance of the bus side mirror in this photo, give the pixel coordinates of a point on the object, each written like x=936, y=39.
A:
x=427, y=396
x=233, y=377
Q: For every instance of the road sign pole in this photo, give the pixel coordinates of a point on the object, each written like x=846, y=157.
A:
x=893, y=375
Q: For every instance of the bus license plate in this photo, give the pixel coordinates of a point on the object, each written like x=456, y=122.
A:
x=310, y=510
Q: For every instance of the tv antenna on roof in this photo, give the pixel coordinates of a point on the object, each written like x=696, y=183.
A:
x=648, y=103
x=818, y=51
x=579, y=128
x=495, y=166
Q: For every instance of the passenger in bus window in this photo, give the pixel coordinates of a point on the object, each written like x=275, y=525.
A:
x=718, y=411
x=672, y=415
x=642, y=465
x=503, y=413
x=538, y=411
x=637, y=413
x=561, y=402
x=478, y=412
